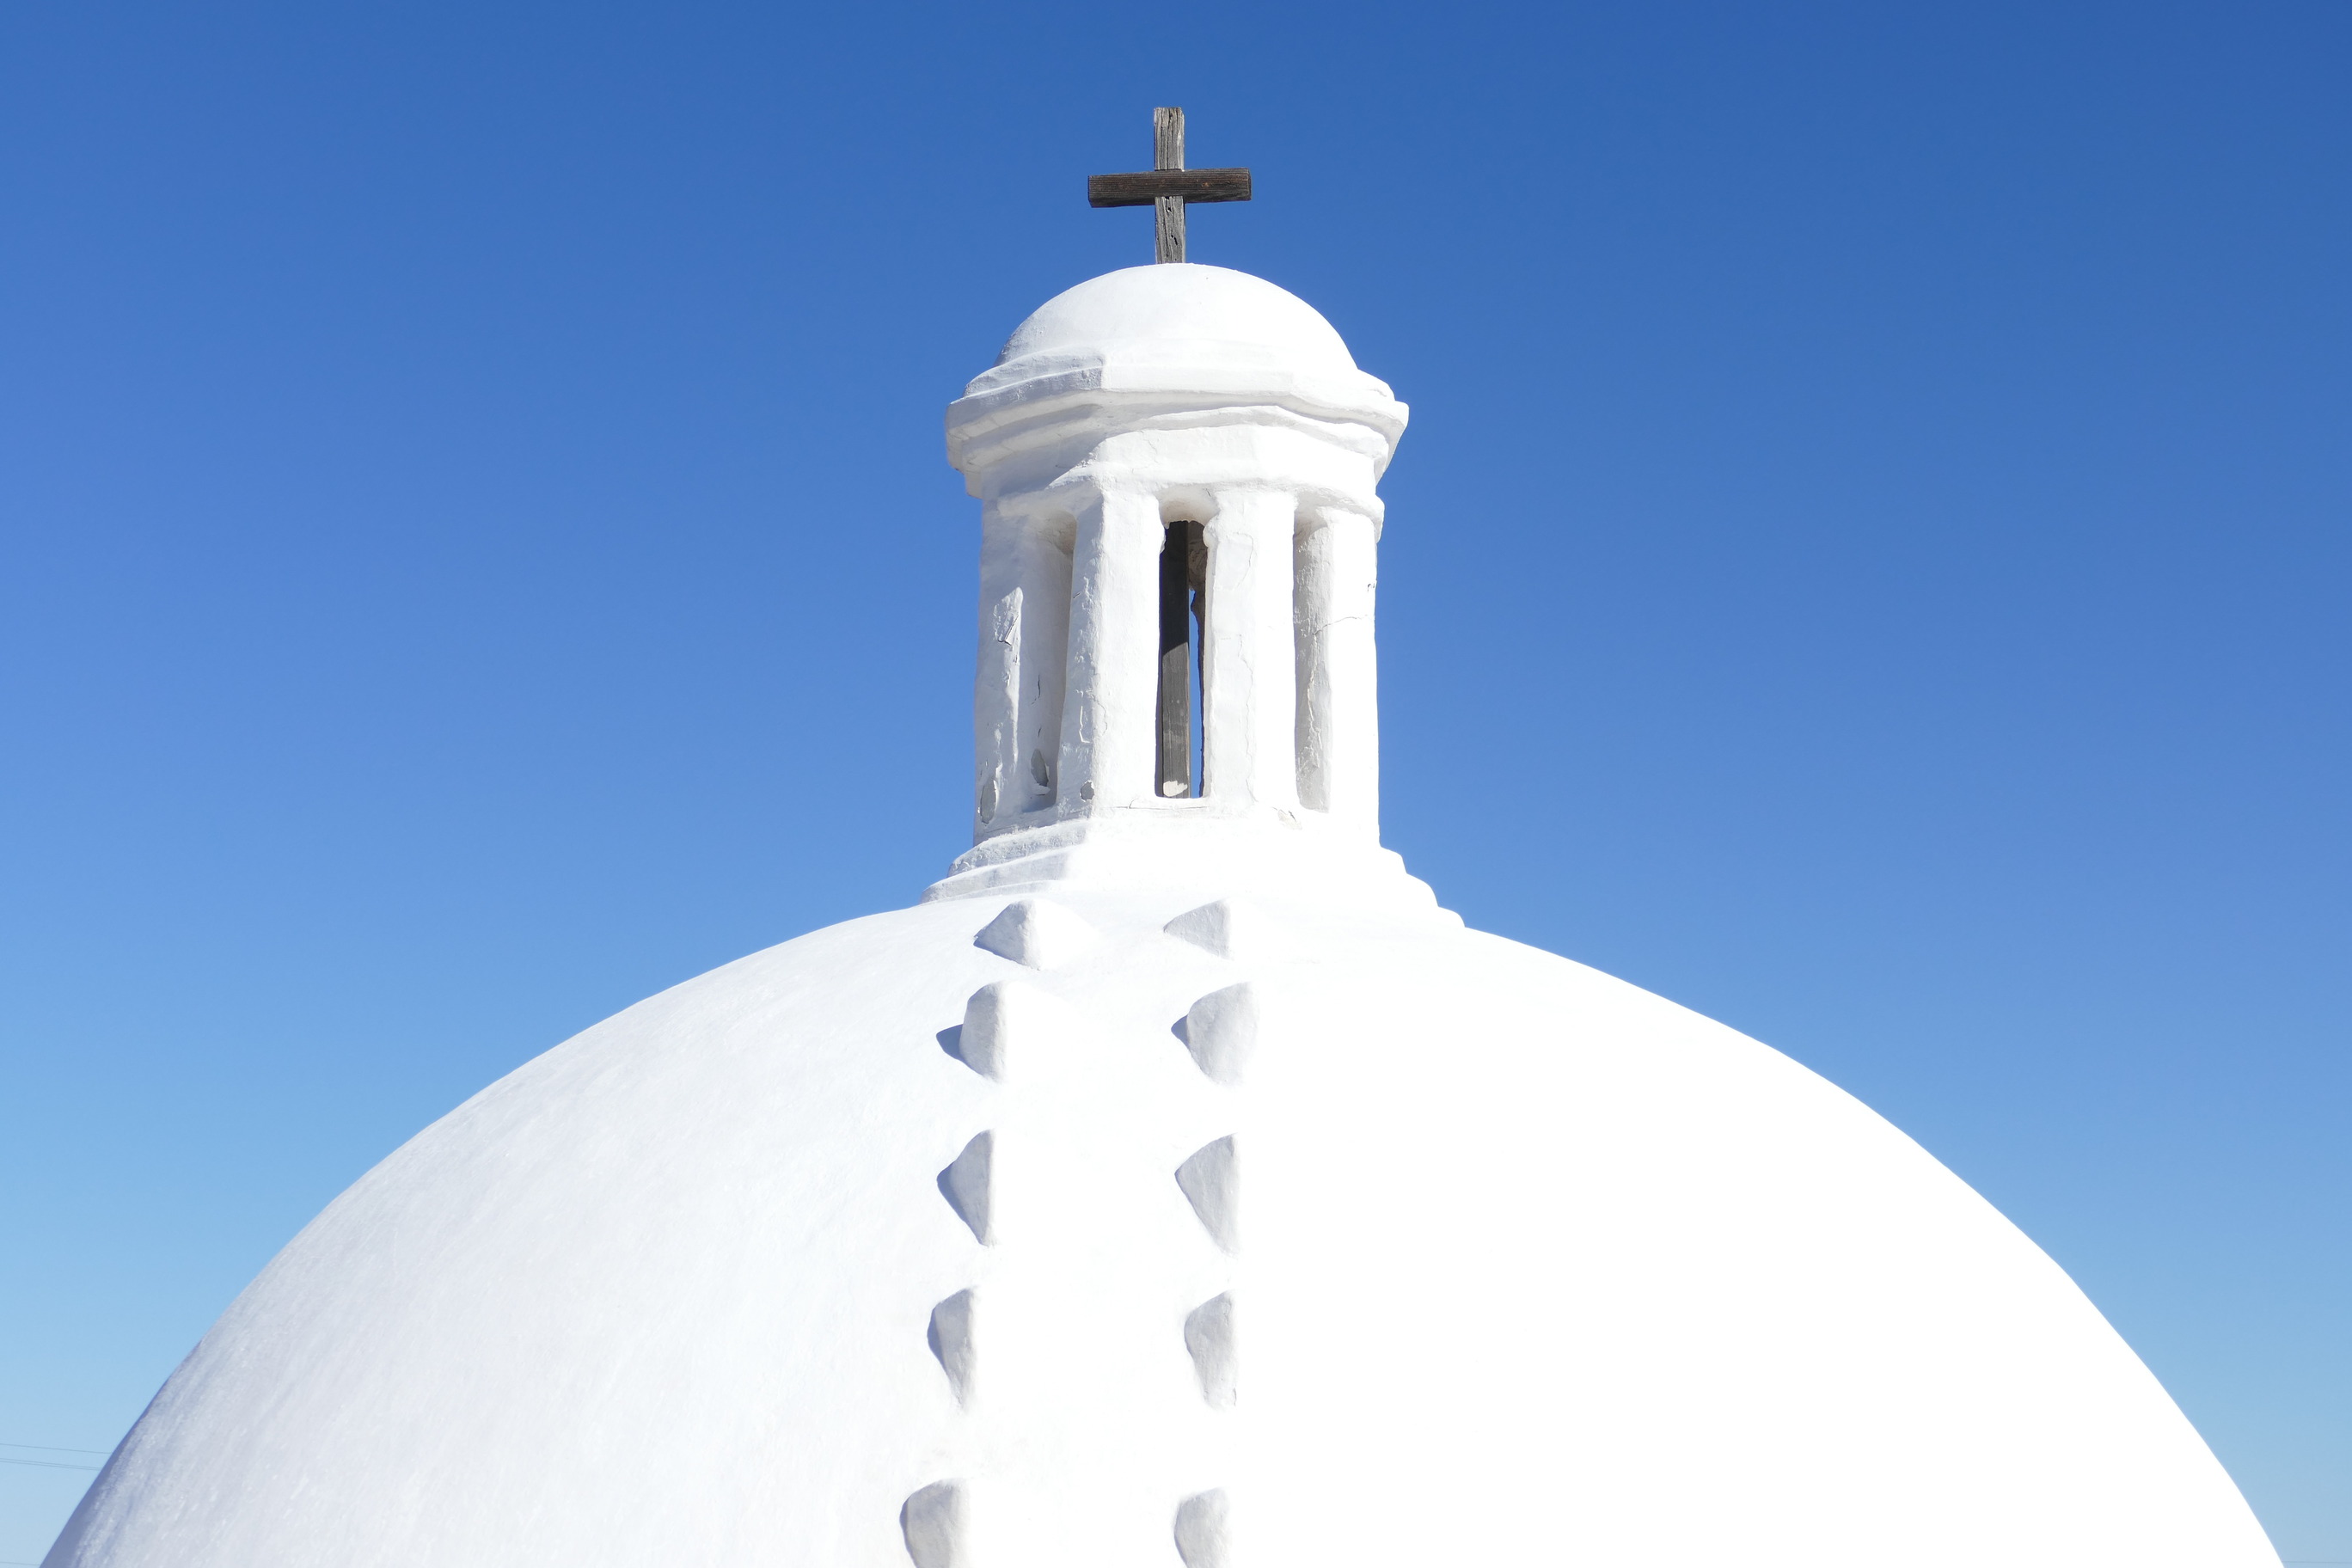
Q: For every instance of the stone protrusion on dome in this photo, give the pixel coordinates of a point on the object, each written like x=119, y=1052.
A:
x=1209, y=1341
x=1178, y=467
x=965, y=1184
x=932, y=1520
x=995, y=1013
x=1037, y=933
x=1220, y=1031
x=1231, y=928
x=1094, y=1291
x=950, y=1340
x=1211, y=1180
x=1201, y=1530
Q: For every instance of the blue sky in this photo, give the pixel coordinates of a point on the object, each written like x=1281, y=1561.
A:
x=1869, y=563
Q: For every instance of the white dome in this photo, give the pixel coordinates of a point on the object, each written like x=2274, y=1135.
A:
x=1530, y=1266
x=1182, y=302
x=1147, y=344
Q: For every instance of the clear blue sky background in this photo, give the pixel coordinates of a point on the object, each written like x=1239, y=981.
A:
x=1870, y=563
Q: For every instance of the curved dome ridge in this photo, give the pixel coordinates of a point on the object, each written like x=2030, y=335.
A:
x=1181, y=302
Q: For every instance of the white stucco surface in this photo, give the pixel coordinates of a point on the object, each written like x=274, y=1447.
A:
x=1529, y=1266
x=1186, y=304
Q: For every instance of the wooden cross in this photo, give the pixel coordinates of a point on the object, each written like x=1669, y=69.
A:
x=1168, y=185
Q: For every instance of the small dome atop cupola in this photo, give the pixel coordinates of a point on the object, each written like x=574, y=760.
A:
x=1183, y=303
x=1172, y=341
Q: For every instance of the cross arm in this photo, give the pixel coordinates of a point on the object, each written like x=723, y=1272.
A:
x=1192, y=184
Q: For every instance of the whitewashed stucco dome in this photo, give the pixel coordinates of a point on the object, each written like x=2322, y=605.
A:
x=1186, y=303
x=1179, y=1207
x=1180, y=341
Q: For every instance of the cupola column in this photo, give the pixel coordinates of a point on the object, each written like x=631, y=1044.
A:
x=1024, y=596
x=1248, y=663
x=1109, y=726
x=996, y=680
x=1338, y=676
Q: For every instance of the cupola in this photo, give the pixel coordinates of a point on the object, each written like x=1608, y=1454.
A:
x=1180, y=528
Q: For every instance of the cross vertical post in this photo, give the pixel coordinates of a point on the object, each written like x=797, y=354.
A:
x=1168, y=152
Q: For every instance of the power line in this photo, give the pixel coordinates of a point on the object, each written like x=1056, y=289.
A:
x=50, y=1465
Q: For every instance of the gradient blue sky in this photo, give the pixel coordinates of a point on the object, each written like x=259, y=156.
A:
x=1870, y=563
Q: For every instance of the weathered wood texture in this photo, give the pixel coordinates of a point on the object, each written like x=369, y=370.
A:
x=1168, y=152
x=1141, y=190
x=1168, y=231
x=1166, y=138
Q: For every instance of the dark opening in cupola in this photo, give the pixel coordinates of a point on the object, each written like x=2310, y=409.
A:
x=1183, y=571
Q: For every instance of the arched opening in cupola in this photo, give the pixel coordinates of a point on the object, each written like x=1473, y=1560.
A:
x=1183, y=576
